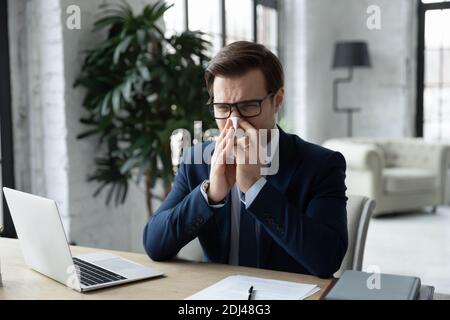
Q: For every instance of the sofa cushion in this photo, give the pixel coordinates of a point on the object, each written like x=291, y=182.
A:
x=407, y=180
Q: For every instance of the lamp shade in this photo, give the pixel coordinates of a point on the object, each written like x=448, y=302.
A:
x=351, y=54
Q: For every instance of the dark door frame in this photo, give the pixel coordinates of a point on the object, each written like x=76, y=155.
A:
x=7, y=155
x=422, y=9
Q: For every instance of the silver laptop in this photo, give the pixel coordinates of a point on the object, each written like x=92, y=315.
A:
x=45, y=248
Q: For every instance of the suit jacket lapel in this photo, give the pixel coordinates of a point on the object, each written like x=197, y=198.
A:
x=281, y=182
x=281, y=179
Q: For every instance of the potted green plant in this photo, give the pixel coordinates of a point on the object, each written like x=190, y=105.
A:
x=140, y=87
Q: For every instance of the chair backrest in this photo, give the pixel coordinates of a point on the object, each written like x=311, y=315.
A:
x=359, y=212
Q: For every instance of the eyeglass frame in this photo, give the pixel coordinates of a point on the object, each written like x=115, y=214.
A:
x=210, y=106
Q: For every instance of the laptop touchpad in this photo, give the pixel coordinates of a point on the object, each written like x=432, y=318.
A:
x=115, y=264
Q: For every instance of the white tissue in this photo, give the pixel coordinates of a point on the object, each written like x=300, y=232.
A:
x=234, y=120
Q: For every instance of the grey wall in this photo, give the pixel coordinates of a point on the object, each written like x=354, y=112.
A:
x=386, y=92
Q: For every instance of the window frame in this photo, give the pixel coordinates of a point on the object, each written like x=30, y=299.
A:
x=422, y=9
x=273, y=4
x=7, y=156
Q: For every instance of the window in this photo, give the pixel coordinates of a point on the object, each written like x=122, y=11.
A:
x=267, y=27
x=239, y=17
x=226, y=21
x=433, y=98
x=206, y=16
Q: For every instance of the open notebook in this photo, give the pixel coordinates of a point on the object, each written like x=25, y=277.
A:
x=236, y=288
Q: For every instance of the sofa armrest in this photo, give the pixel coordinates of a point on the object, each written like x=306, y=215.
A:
x=362, y=156
x=365, y=163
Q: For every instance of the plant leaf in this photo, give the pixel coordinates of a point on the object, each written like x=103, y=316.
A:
x=128, y=165
x=105, y=104
x=126, y=90
x=122, y=47
x=116, y=100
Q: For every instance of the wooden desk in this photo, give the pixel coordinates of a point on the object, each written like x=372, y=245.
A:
x=181, y=279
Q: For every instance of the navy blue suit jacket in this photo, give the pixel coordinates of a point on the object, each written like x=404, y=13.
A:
x=301, y=210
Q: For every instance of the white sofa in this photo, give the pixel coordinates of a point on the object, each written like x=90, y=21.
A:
x=399, y=174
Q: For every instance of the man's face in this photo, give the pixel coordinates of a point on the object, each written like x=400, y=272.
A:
x=250, y=86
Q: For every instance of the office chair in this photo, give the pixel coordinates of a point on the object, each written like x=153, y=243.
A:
x=359, y=212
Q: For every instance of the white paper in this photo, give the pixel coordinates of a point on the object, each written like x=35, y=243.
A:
x=236, y=288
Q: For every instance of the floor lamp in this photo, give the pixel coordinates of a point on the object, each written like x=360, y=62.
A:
x=348, y=54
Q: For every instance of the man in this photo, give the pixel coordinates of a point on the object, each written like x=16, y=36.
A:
x=294, y=220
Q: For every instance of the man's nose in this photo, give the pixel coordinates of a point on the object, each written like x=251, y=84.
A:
x=234, y=112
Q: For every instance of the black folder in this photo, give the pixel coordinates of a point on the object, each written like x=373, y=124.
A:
x=356, y=285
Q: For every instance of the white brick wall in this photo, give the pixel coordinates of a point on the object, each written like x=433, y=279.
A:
x=46, y=57
x=386, y=92
x=38, y=100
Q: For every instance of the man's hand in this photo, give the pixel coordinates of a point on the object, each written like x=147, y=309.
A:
x=223, y=171
x=248, y=166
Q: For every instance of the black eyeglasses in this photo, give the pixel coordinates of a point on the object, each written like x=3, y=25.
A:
x=246, y=109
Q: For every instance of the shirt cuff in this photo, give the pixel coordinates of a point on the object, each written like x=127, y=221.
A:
x=253, y=192
x=205, y=196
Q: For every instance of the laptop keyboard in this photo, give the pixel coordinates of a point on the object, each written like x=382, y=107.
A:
x=91, y=274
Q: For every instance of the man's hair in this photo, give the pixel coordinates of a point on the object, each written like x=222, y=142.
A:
x=239, y=57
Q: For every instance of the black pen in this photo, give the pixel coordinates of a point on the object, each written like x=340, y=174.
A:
x=250, y=293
